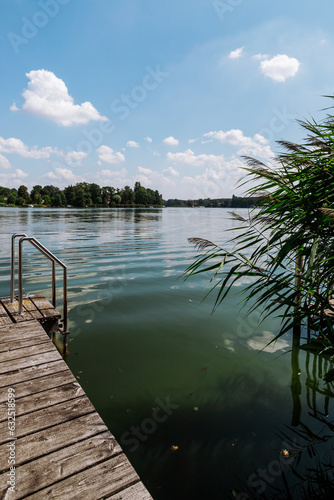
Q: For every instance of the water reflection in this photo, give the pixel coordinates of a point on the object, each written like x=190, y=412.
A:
x=304, y=469
x=139, y=334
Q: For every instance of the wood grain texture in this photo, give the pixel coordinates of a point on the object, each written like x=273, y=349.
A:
x=62, y=445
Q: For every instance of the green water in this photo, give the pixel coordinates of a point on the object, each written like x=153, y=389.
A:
x=160, y=369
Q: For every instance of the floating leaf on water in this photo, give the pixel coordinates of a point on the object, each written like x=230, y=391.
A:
x=285, y=453
x=204, y=368
x=196, y=408
x=174, y=447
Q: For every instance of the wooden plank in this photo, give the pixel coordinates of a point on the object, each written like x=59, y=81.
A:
x=135, y=492
x=32, y=373
x=40, y=444
x=50, y=313
x=30, y=361
x=21, y=344
x=13, y=309
x=3, y=311
x=44, y=399
x=25, y=352
x=61, y=464
x=47, y=417
x=41, y=302
x=108, y=477
x=29, y=388
x=30, y=306
x=19, y=331
x=5, y=320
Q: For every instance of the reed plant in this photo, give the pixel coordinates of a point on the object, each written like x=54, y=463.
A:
x=283, y=249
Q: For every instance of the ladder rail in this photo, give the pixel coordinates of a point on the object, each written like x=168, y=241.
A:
x=42, y=249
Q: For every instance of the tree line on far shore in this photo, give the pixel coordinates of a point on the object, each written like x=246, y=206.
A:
x=234, y=202
x=81, y=195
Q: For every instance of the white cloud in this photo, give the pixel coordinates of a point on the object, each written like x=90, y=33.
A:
x=13, y=179
x=171, y=141
x=108, y=155
x=4, y=163
x=148, y=139
x=132, y=144
x=280, y=67
x=260, y=56
x=235, y=54
x=202, y=160
x=145, y=171
x=64, y=176
x=47, y=96
x=16, y=146
x=171, y=171
x=191, y=141
x=73, y=157
x=257, y=145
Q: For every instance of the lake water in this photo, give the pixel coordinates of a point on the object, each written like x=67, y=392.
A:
x=197, y=407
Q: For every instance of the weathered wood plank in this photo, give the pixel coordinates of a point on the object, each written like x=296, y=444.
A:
x=31, y=387
x=5, y=320
x=30, y=374
x=3, y=311
x=41, y=302
x=19, y=331
x=44, y=399
x=50, y=313
x=13, y=309
x=135, y=492
x=61, y=464
x=62, y=443
x=22, y=344
x=110, y=476
x=47, y=417
x=30, y=306
x=53, y=439
x=30, y=361
x=25, y=352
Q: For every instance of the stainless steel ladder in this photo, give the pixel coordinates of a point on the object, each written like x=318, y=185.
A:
x=37, y=244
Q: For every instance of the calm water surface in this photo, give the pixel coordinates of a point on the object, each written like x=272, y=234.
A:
x=160, y=369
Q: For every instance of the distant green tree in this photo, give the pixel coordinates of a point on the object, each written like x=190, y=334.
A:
x=47, y=200
x=23, y=193
x=127, y=195
x=117, y=199
x=69, y=192
x=95, y=193
x=141, y=197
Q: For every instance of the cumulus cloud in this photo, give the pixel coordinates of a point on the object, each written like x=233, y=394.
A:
x=190, y=158
x=108, y=155
x=235, y=54
x=13, y=179
x=145, y=171
x=148, y=139
x=257, y=145
x=4, y=162
x=47, y=96
x=191, y=141
x=63, y=176
x=280, y=67
x=16, y=146
x=73, y=157
x=171, y=141
x=171, y=171
x=132, y=144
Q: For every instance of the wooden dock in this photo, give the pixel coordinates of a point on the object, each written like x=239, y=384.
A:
x=60, y=446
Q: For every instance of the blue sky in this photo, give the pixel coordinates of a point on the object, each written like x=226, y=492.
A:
x=169, y=93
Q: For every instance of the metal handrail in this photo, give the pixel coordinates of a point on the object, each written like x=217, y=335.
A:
x=37, y=244
x=12, y=264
